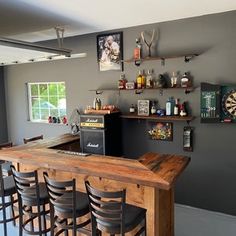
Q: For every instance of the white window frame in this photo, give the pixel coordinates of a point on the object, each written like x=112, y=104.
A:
x=48, y=96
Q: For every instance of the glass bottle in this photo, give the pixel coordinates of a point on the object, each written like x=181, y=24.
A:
x=185, y=80
x=174, y=80
x=137, y=53
x=153, y=109
x=143, y=80
x=132, y=109
x=176, y=108
x=149, y=79
x=139, y=80
x=168, y=107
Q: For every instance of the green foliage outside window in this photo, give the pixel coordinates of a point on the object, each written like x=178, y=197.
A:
x=47, y=99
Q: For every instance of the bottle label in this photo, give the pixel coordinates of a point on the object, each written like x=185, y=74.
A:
x=137, y=54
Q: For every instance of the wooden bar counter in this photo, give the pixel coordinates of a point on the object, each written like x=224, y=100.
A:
x=149, y=180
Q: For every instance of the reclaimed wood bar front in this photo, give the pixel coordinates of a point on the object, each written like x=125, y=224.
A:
x=149, y=180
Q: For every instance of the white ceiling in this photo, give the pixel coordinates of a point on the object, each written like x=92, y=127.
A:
x=34, y=20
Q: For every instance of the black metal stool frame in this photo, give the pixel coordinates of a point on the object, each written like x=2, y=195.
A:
x=28, y=192
x=5, y=204
x=66, y=192
x=109, y=207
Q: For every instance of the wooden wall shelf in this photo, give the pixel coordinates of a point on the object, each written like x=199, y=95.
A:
x=158, y=118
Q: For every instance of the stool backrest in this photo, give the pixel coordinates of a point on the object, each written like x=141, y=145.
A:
x=106, y=208
x=58, y=189
x=27, y=140
x=27, y=186
x=6, y=145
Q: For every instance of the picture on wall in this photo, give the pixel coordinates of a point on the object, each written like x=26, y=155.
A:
x=161, y=131
x=110, y=51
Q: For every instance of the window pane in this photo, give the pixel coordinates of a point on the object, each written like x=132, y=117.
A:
x=61, y=89
x=62, y=112
x=44, y=104
x=54, y=112
x=54, y=102
x=43, y=90
x=53, y=89
x=44, y=114
x=35, y=114
x=62, y=103
x=34, y=89
x=35, y=102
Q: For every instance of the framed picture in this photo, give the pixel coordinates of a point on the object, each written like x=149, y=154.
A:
x=143, y=107
x=161, y=131
x=110, y=51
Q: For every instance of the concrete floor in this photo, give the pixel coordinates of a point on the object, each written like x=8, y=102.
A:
x=188, y=222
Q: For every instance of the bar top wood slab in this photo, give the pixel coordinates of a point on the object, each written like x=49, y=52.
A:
x=151, y=169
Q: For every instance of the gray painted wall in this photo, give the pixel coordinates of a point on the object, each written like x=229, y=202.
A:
x=209, y=181
x=3, y=121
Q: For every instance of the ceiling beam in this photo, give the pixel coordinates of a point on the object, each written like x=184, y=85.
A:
x=32, y=46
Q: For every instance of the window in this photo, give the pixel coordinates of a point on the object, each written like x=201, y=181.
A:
x=46, y=99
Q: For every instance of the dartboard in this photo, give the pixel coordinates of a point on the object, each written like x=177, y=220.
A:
x=229, y=103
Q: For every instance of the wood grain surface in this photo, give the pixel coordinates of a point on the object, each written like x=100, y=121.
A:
x=149, y=181
x=152, y=169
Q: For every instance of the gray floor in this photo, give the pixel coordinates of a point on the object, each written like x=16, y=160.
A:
x=188, y=222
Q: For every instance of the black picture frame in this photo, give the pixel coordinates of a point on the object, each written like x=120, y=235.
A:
x=110, y=51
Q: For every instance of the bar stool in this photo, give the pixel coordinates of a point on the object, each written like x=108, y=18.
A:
x=32, y=200
x=7, y=189
x=67, y=204
x=27, y=140
x=110, y=213
x=6, y=169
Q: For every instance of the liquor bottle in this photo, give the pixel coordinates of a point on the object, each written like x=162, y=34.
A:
x=153, y=108
x=176, y=108
x=139, y=80
x=185, y=81
x=168, y=107
x=183, y=110
x=98, y=104
x=132, y=109
x=174, y=80
x=137, y=53
x=149, y=79
x=143, y=79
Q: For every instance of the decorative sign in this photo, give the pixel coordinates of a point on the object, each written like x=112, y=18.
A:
x=161, y=131
x=143, y=107
x=218, y=103
x=110, y=51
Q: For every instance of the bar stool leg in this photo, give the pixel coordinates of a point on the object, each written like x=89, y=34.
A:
x=74, y=226
x=145, y=226
x=52, y=220
x=4, y=215
x=39, y=221
x=20, y=217
x=12, y=210
x=66, y=231
x=32, y=222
